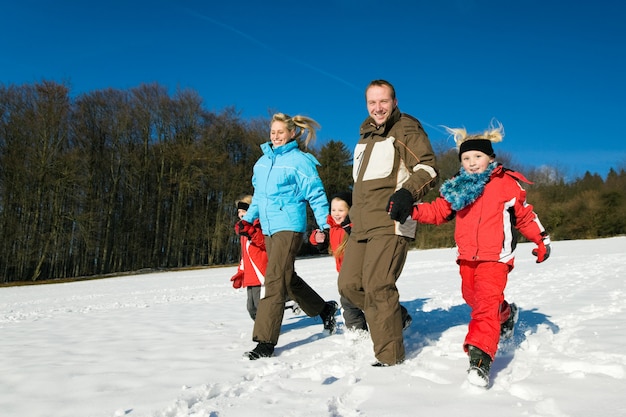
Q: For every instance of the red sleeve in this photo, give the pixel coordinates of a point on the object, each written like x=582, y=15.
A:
x=527, y=221
x=257, y=239
x=437, y=212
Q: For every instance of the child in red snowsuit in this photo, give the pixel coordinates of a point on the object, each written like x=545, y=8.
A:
x=340, y=226
x=251, y=271
x=489, y=205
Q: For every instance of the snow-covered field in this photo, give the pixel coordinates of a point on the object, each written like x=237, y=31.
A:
x=171, y=344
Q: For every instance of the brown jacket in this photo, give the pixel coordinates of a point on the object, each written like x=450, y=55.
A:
x=386, y=158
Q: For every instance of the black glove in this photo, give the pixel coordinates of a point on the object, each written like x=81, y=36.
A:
x=400, y=205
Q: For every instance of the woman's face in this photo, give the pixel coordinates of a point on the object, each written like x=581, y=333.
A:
x=241, y=213
x=475, y=162
x=339, y=210
x=279, y=134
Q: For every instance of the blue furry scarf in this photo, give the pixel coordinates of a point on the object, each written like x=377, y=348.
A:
x=463, y=189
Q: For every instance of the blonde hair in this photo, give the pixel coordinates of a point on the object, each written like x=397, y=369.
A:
x=495, y=133
x=245, y=199
x=299, y=124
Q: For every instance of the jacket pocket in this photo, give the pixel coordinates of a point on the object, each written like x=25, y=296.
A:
x=381, y=161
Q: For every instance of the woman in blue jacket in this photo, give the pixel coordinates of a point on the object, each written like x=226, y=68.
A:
x=285, y=179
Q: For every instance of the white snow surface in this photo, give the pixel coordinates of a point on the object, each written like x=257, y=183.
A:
x=170, y=344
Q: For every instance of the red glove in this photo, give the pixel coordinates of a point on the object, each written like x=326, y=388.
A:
x=237, y=280
x=542, y=251
x=243, y=228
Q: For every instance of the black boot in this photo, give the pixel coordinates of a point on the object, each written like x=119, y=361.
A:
x=328, y=316
x=480, y=364
x=262, y=350
x=406, y=318
x=506, y=328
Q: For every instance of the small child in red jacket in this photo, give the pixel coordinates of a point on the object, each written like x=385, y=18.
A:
x=251, y=271
x=253, y=263
x=340, y=226
x=490, y=206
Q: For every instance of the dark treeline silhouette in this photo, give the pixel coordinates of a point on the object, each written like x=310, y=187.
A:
x=114, y=181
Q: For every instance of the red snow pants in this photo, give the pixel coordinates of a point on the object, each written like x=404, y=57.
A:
x=482, y=286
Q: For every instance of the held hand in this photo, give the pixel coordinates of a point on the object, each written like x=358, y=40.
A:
x=415, y=212
x=243, y=228
x=542, y=251
x=319, y=239
x=320, y=236
x=400, y=205
x=237, y=280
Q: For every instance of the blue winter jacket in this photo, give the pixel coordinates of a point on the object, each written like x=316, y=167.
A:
x=284, y=180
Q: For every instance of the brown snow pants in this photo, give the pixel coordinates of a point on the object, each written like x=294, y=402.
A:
x=368, y=278
x=281, y=280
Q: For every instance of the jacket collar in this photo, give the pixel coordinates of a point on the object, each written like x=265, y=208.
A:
x=270, y=151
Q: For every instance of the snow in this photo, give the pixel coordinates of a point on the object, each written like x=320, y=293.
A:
x=170, y=344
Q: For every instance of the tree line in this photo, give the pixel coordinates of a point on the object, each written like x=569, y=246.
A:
x=113, y=181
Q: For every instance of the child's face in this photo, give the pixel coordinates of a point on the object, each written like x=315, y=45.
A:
x=339, y=210
x=475, y=162
x=241, y=213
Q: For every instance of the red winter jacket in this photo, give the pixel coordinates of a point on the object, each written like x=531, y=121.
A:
x=335, y=236
x=253, y=258
x=485, y=230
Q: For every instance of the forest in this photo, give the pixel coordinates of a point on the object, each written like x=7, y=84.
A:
x=119, y=181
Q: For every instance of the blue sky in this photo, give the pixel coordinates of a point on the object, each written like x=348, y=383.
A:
x=552, y=72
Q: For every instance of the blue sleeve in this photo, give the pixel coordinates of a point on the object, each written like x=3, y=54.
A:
x=314, y=193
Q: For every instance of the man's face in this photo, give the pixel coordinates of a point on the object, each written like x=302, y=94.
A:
x=380, y=104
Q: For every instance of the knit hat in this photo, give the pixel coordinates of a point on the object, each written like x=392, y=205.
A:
x=345, y=196
x=482, y=145
x=244, y=202
x=477, y=142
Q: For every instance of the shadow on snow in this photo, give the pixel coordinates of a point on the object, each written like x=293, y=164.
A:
x=428, y=326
